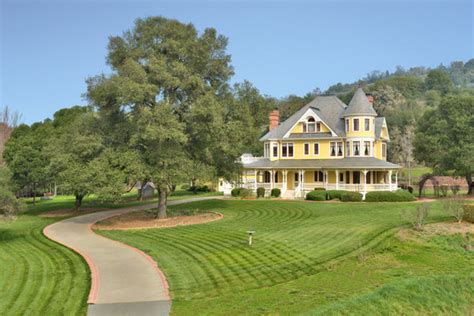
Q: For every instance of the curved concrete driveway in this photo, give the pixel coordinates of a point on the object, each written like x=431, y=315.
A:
x=125, y=281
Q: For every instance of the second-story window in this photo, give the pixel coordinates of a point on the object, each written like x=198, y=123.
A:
x=316, y=149
x=367, y=148
x=367, y=124
x=356, y=148
x=287, y=150
x=275, y=150
x=306, y=149
x=355, y=125
x=384, y=150
x=339, y=149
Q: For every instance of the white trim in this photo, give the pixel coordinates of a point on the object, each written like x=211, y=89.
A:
x=309, y=112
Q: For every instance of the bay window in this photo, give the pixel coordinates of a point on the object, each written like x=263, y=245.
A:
x=367, y=124
x=367, y=148
x=356, y=148
x=339, y=149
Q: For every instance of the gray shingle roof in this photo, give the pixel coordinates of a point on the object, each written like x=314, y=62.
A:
x=359, y=105
x=309, y=135
x=378, y=127
x=343, y=163
x=328, y=108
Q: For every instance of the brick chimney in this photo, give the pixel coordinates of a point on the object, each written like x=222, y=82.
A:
x=371, y=98
x=274, y=118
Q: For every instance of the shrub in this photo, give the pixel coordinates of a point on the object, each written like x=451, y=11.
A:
x=316, y=195
x=454, y=207
x=235, y=192
x=319, y=189
x=245, y=193
x=444, y=190
x=185, y=187
x=199, y=188
x=417, y=216
x=469, y=212
x=260, y=192
x=410, y=189
x=387, y=196
x=275, y=192
x=351, y=197
x=335, y=194
x=455, y=189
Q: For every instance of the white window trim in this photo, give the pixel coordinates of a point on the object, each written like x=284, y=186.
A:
x=304, y=149
x=319, y=149
x=287, y=151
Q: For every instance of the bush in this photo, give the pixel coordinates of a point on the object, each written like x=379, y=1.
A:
x=316, y=195
x=454, y=207
x=335, y=194
x=417, y=216
x=455, y=188
x=235, y=192
x=260, y=192
x=444, y=190
x=469, y=212
x=245, y=193
x=319, y=189
x=275, y=192
x=198, y=188
x=185, y=187
x=410, y=189
x=351, y=197
x=387, y=196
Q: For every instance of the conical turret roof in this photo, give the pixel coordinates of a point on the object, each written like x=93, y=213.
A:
x=359, y=105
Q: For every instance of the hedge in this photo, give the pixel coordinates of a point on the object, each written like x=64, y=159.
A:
x=316, y=195
x=335, y=194
x=469, y=212
x=351, y=197
x=235, y=192
x=241, y=192
x=319, y=189
x=387, y=196
x=275, y=192
x=260, y=192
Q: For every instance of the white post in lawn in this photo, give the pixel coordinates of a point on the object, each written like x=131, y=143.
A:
x=337, y=179
x=326, y=180
x=390, y=180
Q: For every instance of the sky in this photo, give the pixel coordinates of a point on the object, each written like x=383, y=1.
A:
x=49, y=48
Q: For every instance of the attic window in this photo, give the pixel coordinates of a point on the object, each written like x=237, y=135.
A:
x=311, y=125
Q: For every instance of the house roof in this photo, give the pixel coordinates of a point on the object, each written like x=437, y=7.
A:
x=359, y=105
x=378, y=126
x=343, y=163
x=309, y=135
x=328, y=108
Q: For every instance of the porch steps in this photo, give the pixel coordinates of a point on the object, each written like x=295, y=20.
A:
x=288, y=194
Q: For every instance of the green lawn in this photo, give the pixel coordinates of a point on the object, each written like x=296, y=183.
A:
x=38, y=276
x=308, y=257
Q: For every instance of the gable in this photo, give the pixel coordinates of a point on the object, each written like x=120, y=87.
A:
x=298, y=126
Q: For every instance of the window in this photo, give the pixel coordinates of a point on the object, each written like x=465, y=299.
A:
x=348, y=149
x=356, y=148
x=266, y=150
x=316, y=149
x=311, y=125
x=367, y=148
x=267, y=176
x=332, y=149
x=341, y=177
x=355, y=125
x=304, y=127
x=306, y=149
x=296, y=177
x=384, y=150
x=367, y=177
x=367, y=124
x=339, y=149
x=347, y=125
x=318, y=127
x=275, y=150
x=276, y=177
x=287, y=150
x=318, y=176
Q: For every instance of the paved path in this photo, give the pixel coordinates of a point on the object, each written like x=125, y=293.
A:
x=125, y=281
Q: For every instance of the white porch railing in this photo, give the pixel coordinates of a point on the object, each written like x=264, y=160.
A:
x=360, y=187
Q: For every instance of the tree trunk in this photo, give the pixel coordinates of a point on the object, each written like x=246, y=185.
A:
x=140, y=192
x=78, y=202
x=162, y=201
x=34, y=193
x=470, y=185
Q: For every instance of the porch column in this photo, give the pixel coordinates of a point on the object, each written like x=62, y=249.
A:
x=396, y=180
x=365, y=180
x=390, y=180
x=337, y=179
x=326, y=179
x=271, y=179
x=285, y=180
x=256, y=180
x=302, y=181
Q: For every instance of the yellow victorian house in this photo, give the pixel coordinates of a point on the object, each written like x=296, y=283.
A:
x=326, y=144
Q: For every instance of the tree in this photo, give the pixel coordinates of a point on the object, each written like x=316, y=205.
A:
x=438, y=80
x=8, y=121
x=9, y=204
x=443, y=138
x=168, y=87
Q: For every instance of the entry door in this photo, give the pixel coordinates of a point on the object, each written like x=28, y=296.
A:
x=356, y=177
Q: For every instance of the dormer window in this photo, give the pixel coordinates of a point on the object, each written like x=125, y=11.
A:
x=311, y=125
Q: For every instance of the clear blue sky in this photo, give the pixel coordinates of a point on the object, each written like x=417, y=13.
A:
x=49, y=48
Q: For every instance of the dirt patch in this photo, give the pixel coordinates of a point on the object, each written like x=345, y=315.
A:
x=143, y=220
x=437, y=229
x=71, y=212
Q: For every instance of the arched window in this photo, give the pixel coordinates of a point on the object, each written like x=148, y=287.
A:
x=311, y=125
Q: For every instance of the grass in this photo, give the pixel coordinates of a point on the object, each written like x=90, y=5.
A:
x=39, y=276
x=316, y=258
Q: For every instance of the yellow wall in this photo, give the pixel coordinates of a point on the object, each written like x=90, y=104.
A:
x=384, y=133
x=378, y=150
x=361, y=132
x=298, y=150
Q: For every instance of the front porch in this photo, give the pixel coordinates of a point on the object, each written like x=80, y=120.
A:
x=295, y=183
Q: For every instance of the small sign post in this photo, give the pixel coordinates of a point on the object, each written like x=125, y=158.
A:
x=250, y=232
